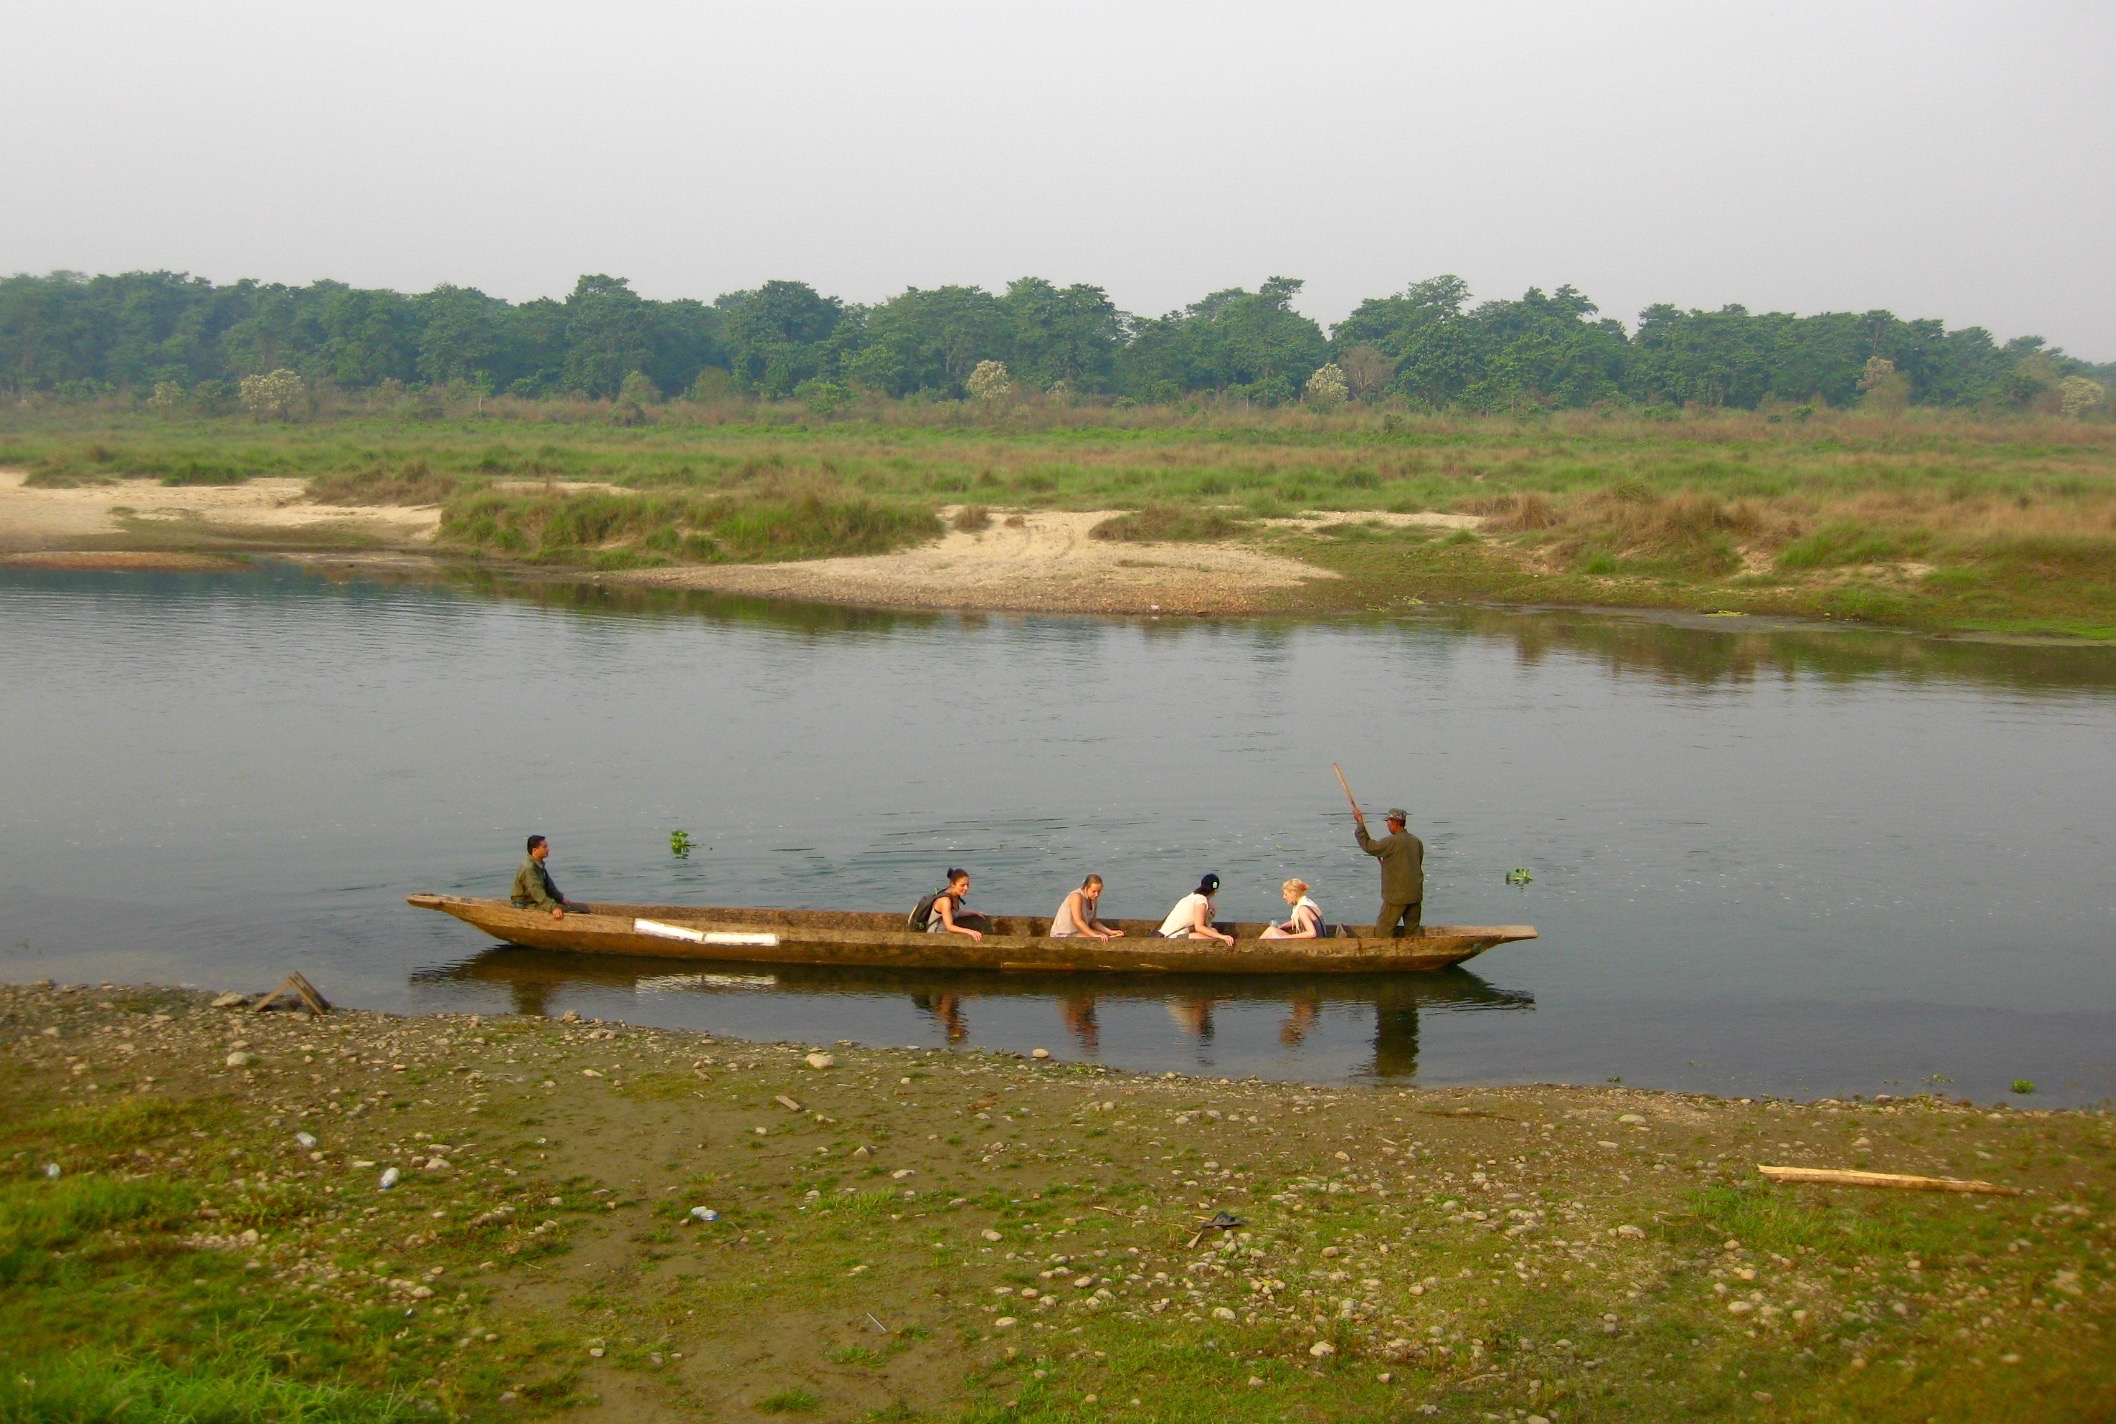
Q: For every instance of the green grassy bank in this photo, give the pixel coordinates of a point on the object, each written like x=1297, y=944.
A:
x=194, y=1224
x=1920, y=519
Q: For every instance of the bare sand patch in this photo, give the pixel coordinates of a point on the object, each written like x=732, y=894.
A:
x=258, y=511
x=1046, y=563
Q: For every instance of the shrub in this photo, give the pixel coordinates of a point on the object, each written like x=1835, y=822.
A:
x=413, y=483
x=972, y=517
x=1523, y=512
x=1168, y=523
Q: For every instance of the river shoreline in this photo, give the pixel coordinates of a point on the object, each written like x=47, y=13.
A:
x=1047, y=561
x=960, y=1234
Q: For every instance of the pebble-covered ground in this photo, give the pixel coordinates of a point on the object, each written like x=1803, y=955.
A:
x=368, y=1216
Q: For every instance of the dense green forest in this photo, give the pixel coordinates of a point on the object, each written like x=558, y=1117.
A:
x=1428, y=347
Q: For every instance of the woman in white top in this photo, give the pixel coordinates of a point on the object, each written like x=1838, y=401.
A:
x=1192, y=916
x=1307, y=920
x=1080, y=914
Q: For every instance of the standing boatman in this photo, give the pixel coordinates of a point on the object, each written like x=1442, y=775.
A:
x=1402, y=857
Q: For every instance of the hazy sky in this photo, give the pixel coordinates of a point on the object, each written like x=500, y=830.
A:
x=1938, y=159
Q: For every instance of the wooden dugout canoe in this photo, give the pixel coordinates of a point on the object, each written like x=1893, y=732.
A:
x=882, y=941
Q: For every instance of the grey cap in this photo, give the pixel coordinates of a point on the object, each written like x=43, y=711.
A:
x=1397, y=813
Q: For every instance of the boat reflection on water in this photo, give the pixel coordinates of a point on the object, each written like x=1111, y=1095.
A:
x=949, y=1000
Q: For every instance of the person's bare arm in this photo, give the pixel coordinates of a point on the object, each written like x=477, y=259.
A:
x=946, y=907
x=1201, y=921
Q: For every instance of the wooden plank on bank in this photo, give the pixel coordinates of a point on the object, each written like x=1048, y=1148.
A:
x=1839, y=1177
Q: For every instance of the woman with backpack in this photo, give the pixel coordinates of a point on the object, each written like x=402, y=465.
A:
x=942, y=911
x=1192, y=916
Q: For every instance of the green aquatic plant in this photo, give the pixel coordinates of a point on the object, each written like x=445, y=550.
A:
x=1518, y=876
x=2023, y=1085
x=680, y=843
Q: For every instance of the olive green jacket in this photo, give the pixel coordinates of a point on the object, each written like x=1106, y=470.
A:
x=533, y=887
x=1402, y=857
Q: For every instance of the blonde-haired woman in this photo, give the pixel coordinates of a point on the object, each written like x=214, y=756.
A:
x=1081, y=914
x=1307, y=918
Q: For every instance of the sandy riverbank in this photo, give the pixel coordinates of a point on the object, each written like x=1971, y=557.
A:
x=949, y=1234
x=145, y=518
x=1043, y=562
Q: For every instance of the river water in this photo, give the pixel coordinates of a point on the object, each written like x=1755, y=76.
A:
x=1786, y=861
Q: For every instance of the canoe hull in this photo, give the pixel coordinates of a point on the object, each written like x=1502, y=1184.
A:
x=881, y=941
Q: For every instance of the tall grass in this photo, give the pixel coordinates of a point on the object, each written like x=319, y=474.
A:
x=1169, y=522
x=616, y=528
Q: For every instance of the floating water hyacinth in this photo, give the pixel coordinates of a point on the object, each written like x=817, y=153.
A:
x=1518, y=876
x=680, y=842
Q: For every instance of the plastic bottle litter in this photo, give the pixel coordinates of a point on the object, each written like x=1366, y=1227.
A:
x=705, y=1213
x=389, y=1178
x=51, y=1169
x=306, y=1139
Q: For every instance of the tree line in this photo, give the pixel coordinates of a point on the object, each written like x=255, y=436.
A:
x=1429, y=346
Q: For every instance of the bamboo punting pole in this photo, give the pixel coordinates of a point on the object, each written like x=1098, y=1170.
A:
x=1839, y=1177
x=1348, y=793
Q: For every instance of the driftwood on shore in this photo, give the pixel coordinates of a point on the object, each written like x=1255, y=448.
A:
x=1839, y=1177
x=301, y=990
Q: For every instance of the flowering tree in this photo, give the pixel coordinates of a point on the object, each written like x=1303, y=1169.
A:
x=2077, y=394
x=272, y=396
x=167, y=400
x=1327, y=388
x=1886, y=388
x=990, y=381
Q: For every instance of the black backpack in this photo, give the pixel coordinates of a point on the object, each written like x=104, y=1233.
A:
x=922, y=916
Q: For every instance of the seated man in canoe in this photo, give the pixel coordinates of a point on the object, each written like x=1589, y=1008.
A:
x=534, y=888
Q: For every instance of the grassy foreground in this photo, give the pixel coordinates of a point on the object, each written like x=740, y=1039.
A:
x=943, y=1235
x=1921, y=519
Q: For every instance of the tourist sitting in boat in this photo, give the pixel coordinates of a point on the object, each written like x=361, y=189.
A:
x=534, y=888
x=1081, y=914
x=1192, y=916
x=942, y=912
x=1307, y=919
